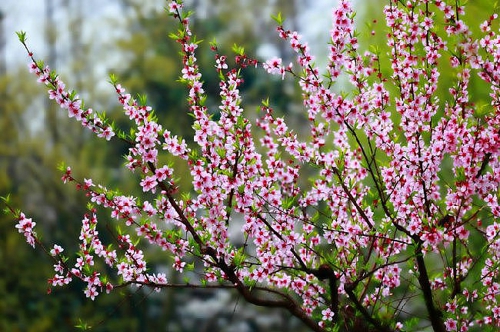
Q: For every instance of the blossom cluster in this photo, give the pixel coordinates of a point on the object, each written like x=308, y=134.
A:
x=129, y=262
x=25, y=226
x=69, y=101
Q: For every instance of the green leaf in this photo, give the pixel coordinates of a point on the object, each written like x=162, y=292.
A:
x=189, y=267
x=72, y=95
x=121, y=135
x=202, y=100
x=5, y=199
x=22, y=36
x=240, y=50
x=61, y=166
x=40, y=64
x=82, y=325
x=152, y=116
x=460, y=174
x=187, y=14
x=213, y=43
x=53, y=76
x=482, y=109
x=185, y=196
x=174, y=36
x=143, y=99
x=113, y=79
x=290, y=202
x=278, y=18
x=239, y=257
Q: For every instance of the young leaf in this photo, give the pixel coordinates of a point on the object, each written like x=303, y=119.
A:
x=278, y=18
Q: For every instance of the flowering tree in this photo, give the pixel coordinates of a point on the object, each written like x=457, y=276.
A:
x=400, y=215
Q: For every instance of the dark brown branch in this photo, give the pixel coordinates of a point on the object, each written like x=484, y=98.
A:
x=325, y=272
x=352, y=199
x=349, y=289
x=279, y=236
x=435, y=315
x=286, y=301
x=231, y=193
x=484, y=164
x=427, y=203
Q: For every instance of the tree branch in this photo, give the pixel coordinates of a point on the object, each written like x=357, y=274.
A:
x=435, y=315
x=349, y=289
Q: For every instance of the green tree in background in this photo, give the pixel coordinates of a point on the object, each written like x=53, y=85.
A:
x=30, y=151
x=28, y=173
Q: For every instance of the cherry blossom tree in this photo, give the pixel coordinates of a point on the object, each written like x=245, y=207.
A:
x=384, y=217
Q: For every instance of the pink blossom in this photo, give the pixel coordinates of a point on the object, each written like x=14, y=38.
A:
x=178, y=264
x=25, y=226
x=174, y=7
x=149, y=183
x=57, y=250
x=450, y=324
x=327, y=314
x=91, y=292
x=274, y=66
